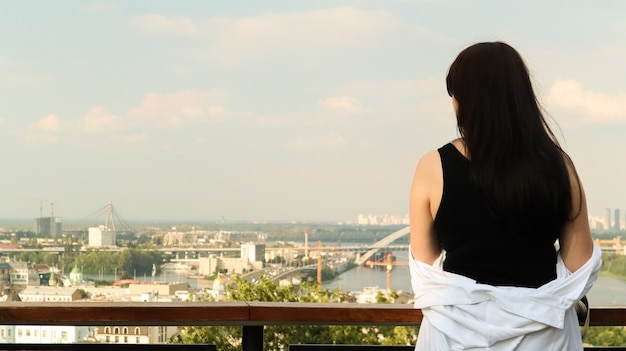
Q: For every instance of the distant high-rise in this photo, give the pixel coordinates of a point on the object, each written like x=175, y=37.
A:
x=608, y=219
x=102, y=236
x=253, y=252
x=616, y=220
x=48, y=226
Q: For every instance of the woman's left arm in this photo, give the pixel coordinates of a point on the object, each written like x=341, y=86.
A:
x=426, y=193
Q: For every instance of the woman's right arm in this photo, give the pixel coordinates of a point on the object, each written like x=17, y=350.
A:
x=576, y=244
x=426, y=193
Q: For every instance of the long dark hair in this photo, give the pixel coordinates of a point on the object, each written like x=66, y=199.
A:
x=515, y=159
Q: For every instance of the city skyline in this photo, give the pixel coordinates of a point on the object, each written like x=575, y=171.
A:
x=278, y=110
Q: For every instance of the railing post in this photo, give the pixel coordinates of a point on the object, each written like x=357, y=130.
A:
x=252, y=338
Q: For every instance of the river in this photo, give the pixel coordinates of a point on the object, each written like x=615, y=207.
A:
x=606, y=291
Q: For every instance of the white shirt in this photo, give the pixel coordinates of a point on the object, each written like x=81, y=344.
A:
x=460, y=314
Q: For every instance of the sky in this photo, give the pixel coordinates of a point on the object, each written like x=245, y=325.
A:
x=311, y=110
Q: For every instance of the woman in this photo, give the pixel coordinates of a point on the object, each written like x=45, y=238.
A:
x=486, y=211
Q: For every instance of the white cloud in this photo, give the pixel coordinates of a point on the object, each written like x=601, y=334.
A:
x=168, y=110
x=397, y=89
x=98, y=120
x=399, y=101
x=329, y=141
x=342, y=104
x=44, y=130
x=405, y=101
x=597, y=107
x=184, y=108
x=49, y=123
x=301, y=32
x=161, y=24
x=231, y=40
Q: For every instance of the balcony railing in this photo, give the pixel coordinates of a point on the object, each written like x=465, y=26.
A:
x=252, y=316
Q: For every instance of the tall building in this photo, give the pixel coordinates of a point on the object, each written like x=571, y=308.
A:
x=48, y=226
x=5, y=278
x=21, y=275
x=253, y=252
x=102, y=236
x=608, y=219
x=616, y=220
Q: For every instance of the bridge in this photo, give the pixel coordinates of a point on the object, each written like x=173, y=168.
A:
x=284, y=275
x=381, y=244
x=614, y=245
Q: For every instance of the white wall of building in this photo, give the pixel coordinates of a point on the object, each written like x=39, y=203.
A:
x=134, y=334
x=7, y=334
x=252, y=252
x=382, y=219
x=101, y=236
x=44, y=334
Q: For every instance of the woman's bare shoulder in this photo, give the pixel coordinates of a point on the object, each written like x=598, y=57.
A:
x=429, y=159
x=428, y=167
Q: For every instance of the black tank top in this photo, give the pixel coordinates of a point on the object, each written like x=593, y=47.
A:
x=481, y=247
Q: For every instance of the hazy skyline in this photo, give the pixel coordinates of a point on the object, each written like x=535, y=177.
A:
x=278, y=110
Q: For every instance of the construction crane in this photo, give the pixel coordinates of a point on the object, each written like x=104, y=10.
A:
x=319, y=259
x=388, y=263
x=319, y=262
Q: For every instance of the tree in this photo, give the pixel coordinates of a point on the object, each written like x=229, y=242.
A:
x=328, y=273
x=606, y=336
x=130, y=261
x=279, y=337
x=614, y=265
x=49, y=258
x=277, y=259
x=380, y=298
